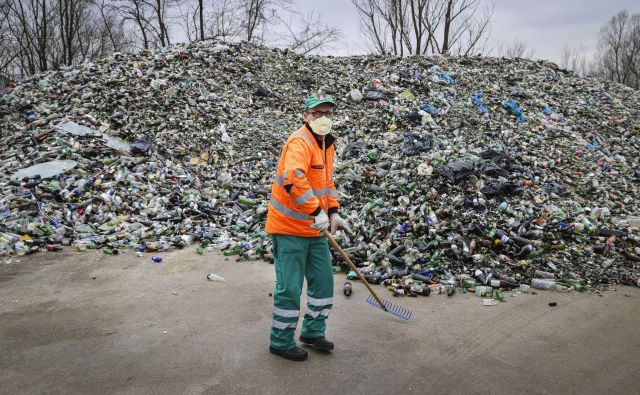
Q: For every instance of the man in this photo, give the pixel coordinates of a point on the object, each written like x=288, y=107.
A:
x=303, y=205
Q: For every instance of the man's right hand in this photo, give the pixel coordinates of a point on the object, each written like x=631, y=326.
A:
x=321, y=222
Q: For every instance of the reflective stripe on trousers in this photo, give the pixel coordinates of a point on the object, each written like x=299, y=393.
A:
x=284, y=325
x=319, y=302
x=314, y=314
x=286, y=313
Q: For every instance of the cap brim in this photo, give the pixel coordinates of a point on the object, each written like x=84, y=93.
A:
x=321, y=102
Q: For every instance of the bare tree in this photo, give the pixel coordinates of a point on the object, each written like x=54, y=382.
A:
x=574, y=59
x=394, y=13
x=311, y=37
x=515, y=49
x=160, y=9
x=256, y=13
x=74, y=32
x=466, y=26
x=151, y=19
x=189, y=11
x=225, y=21
x=201, y=17
x=421, y=26
x=192, y=15
x=138, y=13
x=220, y=19
x=9, y=51
x=619, y=50
x=112, y=26
x=419, y=14
x=373, y=26
x=30, y=26
x=38, y=35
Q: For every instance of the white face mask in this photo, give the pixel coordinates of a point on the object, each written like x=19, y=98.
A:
x=321, y=126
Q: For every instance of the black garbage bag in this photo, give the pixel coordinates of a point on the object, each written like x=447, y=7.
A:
x=263, y=91
x=492, y=169
x=458, y=170
x=553, y=186
x=354, y=150
x=415, y=145
x=412, y=118
x=376, y=95
x=144, y=146
x=493, y=155
x=499, y=187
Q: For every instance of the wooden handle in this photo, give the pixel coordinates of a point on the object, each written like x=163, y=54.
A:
x=354, y=268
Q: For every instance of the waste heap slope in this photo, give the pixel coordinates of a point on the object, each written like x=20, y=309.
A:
x=444, y=164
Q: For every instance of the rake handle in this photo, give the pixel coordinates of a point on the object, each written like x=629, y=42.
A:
x=354, y=268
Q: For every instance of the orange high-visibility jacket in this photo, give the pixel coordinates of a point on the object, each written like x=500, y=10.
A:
x=303, y=185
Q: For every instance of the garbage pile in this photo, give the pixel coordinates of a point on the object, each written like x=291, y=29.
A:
x=480, y=169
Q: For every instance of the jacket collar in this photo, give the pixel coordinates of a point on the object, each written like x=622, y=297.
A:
x=328, y=139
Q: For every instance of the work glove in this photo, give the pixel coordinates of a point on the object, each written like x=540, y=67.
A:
x=320, y=222
x=338, y=222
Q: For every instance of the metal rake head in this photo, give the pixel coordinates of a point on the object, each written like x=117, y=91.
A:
x=390, y=308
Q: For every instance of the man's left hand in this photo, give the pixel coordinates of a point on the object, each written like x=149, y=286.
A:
x=337, y=221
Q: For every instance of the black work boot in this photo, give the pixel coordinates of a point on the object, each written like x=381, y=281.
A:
x=294, y=354
x=319, y=343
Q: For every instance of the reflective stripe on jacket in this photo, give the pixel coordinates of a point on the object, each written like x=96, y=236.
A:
x=302, y=184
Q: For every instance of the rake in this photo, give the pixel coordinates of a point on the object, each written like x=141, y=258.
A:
x=373, y=299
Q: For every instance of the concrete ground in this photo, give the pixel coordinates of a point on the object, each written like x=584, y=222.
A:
x=90, y=323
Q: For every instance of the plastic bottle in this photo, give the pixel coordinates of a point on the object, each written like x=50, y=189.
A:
x=421, y=289
x=575, y=284
x=524, y=288
x=438, y=288
x=20, y=248
x=543, y=274
x=542, y=283
x=215, y=277
x=484, y=291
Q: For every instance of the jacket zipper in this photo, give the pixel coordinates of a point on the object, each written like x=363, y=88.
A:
x=324, y=161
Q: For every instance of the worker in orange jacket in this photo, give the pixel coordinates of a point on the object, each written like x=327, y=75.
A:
x=303, y=205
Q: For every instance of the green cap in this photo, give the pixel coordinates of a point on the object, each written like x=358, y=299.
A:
x=316, y=99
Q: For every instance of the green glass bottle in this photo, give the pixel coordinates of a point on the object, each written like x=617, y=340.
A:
x=233, y=251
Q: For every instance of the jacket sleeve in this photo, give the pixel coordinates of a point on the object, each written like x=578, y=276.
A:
x=334, y=206
x=297, y=159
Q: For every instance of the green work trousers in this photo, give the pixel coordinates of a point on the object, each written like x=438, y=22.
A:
x=296, y=258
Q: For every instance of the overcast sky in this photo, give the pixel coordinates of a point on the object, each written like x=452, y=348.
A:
x=544, y=25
